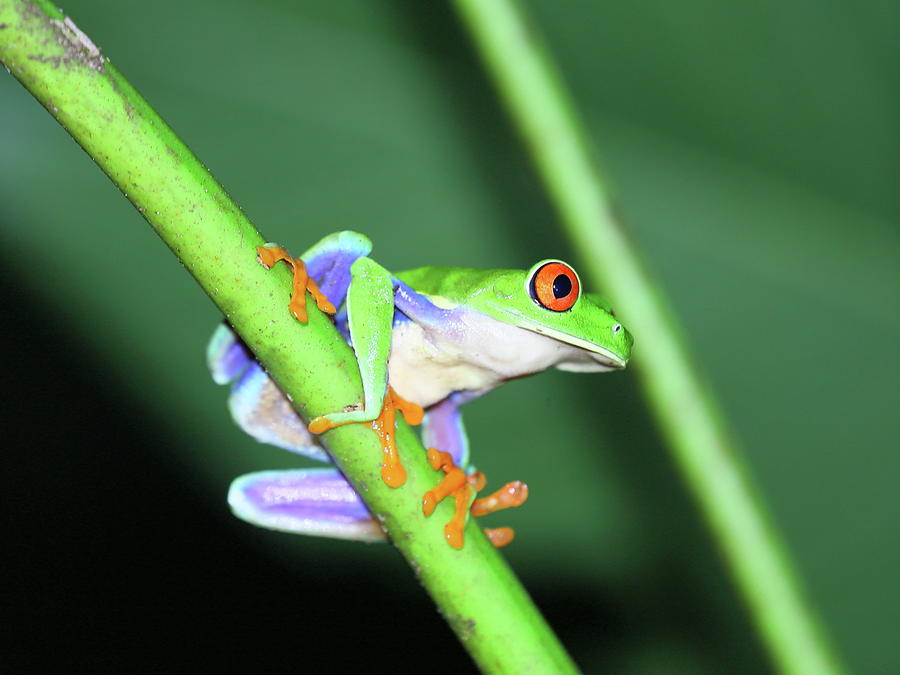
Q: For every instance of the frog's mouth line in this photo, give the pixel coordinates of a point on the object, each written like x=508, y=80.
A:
x=603, y=356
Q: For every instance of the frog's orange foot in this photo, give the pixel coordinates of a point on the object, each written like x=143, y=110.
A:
x=454, y=484
x=453, y=481
x=512, y=494
x=269, y=255
x=392, y=471
x=463, y=488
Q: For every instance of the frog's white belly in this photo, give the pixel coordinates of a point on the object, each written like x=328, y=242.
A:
x=477, y=353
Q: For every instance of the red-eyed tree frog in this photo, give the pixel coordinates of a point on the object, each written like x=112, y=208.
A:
x=440, y=336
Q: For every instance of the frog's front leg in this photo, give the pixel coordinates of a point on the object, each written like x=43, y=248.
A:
x=370, y=314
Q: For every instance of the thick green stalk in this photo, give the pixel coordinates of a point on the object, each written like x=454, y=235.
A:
x=681, y=401
x=474, y=588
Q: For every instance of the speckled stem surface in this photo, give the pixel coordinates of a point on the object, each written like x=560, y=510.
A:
x=474, y=588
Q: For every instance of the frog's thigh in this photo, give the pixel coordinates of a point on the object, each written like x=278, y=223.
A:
x=262, y=410
x=256, y=403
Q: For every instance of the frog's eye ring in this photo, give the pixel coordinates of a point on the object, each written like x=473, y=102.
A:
x=555, y=285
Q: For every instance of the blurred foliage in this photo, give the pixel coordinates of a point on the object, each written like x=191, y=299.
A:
x=756, y=153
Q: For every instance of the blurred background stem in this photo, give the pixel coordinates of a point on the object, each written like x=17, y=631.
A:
x=684, y=407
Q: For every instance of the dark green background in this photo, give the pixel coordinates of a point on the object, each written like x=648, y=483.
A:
x=756, y=153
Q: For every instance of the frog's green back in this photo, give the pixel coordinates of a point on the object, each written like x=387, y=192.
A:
x=455, y=284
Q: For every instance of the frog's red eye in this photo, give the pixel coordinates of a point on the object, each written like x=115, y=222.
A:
x=555, y=286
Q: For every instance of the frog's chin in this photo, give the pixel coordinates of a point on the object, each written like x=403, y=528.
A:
x=590, y=358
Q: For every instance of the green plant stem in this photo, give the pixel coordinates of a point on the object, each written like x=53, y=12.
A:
x=684, y=407
x=474, y=588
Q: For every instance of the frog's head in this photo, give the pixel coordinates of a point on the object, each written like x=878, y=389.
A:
x=547, y=299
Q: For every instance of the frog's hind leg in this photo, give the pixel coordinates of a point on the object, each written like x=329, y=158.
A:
x=310, y=501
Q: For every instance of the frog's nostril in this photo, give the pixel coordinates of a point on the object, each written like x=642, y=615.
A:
x=617, y=329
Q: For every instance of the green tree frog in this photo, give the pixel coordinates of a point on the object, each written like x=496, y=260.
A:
x=440, y=336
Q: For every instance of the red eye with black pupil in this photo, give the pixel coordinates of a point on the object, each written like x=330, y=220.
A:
x=555, y=286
